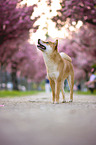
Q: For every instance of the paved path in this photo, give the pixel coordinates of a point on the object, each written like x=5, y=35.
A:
x=34, y=120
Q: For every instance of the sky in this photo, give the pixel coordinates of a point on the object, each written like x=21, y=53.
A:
x=45, y=23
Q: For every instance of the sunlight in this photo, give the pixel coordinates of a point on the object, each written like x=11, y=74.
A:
x=46, y=25
x=29, y=2
x=79, y=24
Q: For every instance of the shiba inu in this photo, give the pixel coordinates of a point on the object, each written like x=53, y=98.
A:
x=59, y=67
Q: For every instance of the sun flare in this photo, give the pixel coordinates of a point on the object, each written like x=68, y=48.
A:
x=46, y=25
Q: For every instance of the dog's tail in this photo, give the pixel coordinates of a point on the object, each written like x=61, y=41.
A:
x=65, y=56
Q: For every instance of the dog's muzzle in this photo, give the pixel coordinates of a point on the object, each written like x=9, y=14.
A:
x=40, y=45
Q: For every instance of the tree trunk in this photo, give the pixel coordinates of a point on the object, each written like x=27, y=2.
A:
x=14, y=78
x=14, y=81
x=3, y=77
x=28, y=86
x=87, y=78
x=6, y=80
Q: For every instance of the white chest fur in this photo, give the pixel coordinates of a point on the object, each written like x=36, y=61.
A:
x=51, y=67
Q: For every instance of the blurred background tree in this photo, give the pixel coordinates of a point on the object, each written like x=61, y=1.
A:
x=82, y=44
x=73, y=11
x=82, y=50
x=15, y=23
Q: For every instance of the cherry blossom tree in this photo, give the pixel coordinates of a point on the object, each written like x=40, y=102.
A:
x=40, y=69
x=15, y=23
x=15, y=20
x=75, y=10
x=82, y=49
x=33, y=67
x=28, y=63
x=82, y=45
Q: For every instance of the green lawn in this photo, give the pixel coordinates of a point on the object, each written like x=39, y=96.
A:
x=20, y=93
x=85, y=93
x=16, y=93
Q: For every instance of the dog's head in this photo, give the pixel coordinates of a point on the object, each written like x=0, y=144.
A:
x=47, y=47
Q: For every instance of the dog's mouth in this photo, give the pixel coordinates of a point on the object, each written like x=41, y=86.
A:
x=41, y=46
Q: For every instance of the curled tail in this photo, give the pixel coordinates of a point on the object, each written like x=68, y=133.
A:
x=65, y=56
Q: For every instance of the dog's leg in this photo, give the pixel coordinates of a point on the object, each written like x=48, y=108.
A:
x=52, y=84
x=63, y=92
x=71, y=84
x=57, y=90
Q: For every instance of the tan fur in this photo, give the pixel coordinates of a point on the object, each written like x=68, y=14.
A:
x=59, y=68
x=65, y=56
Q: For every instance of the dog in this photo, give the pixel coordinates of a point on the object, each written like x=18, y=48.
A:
x=59, y=67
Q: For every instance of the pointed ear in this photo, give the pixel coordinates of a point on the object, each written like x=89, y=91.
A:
x=56, y=44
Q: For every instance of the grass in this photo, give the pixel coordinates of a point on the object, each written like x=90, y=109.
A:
x=16, y=93
x=86, y=93
x=26, y=93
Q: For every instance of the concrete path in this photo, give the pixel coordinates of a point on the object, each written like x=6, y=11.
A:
x=34, y=120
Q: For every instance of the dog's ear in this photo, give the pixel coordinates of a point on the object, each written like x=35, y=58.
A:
x=56, y=44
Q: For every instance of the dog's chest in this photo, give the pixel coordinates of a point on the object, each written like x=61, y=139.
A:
x=51, y=68
x=53, y=72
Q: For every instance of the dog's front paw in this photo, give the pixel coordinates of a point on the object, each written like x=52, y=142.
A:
x=64, y=101
x=70, y=101
x=57, y=102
